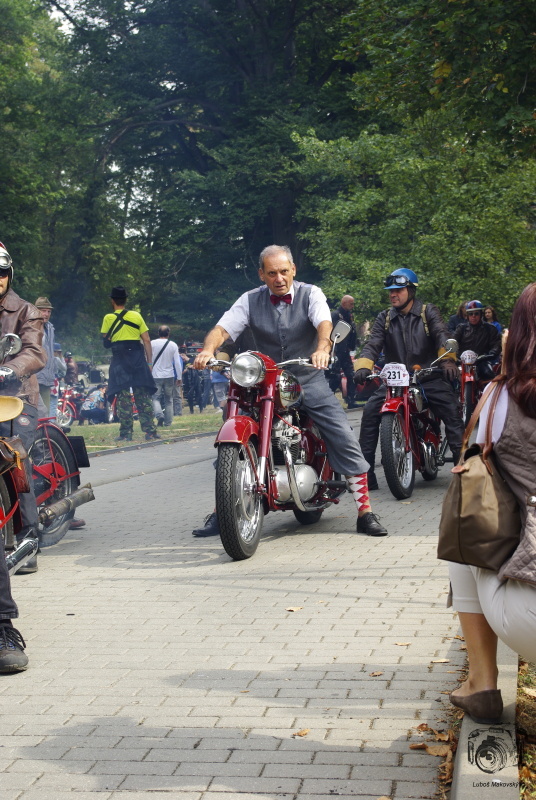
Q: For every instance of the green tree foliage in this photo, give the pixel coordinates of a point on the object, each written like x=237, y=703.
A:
x=474, y=56
x=459, y=216
x=195, y=103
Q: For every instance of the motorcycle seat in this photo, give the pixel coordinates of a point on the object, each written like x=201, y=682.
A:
x=10, y=407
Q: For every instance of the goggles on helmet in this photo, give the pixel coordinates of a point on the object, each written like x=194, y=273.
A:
x=5, y=260
x=397, y=281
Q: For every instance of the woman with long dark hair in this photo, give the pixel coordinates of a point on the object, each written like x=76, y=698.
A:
x=491, y=317
x=503, y=604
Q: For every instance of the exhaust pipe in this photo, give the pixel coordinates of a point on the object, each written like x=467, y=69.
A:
x=48, y=514
x=26, y=549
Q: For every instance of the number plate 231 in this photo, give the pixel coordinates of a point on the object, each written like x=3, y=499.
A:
x=395, y=375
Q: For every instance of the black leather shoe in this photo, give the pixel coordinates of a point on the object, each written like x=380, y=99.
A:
x=126, y=438
x=28, y=567
x=150, y=436
x=483, y=707
x=210, y=528
x=370, y=524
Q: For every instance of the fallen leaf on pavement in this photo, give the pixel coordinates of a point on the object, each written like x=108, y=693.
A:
x=440, y=661
x=375, y=674
x=294, y=608
x=438, y=749
x=423, y=727
x=418, y=746
x=303, y=732
x=244, y=691
x=530, y=692
x=403, y=644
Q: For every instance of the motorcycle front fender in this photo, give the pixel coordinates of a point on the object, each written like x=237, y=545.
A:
x=392, y=405
x=237, y=430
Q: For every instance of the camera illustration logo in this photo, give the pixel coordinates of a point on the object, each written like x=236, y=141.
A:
x=492, y=749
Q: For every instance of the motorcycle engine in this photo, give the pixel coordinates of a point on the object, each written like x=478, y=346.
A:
x=286, y=434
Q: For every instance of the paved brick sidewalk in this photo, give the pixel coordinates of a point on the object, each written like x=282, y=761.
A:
x=159, y=668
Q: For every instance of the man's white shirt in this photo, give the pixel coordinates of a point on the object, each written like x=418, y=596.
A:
x=169, y=359
x=237, y=318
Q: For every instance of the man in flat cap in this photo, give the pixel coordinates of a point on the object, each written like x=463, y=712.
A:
x=46, y=376
x=126, y=333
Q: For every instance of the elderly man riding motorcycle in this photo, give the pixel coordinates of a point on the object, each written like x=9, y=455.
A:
x=409, y=333
x=290, y=319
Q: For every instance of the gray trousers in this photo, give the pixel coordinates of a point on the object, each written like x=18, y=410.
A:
x=165, y=386
x=322, y=406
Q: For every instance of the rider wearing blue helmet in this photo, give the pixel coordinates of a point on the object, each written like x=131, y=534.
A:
x=409, y=333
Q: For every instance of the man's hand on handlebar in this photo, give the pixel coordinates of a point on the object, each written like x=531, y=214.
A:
x=320, y=359
x=7, y=375
x=361, y=375
x=450, y=369
x=202, y=358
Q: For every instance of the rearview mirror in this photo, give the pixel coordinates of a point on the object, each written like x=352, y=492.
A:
x=10, y=345
x=340, y=331
x=451, y=345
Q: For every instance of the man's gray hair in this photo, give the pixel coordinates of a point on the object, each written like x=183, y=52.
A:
x=273, y=250
x=163, y=330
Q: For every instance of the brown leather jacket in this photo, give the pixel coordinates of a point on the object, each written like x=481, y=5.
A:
x=20, y=317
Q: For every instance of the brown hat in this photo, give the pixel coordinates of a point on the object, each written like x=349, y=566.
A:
x=43, y=302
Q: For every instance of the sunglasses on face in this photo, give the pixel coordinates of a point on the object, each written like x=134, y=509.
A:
x=473, y=313
x=5, y=272
x=397, y=280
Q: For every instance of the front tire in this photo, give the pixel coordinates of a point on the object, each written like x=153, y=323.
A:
x=53, y=460
x=468, y=405
x=65, y=418
x=307, y=517
x=399, y=466
x=238, y=505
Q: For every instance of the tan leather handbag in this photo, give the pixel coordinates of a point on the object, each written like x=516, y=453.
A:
x=480, y=521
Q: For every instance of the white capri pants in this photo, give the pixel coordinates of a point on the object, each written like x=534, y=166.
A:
x=509, y=606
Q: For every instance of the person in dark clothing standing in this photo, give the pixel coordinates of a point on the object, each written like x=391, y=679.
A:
x=409, y=333
x=130, y=369
x=342, y=350
x=481, y=337
x=17, y=377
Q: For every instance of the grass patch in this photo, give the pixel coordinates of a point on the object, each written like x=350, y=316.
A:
x=101, y=437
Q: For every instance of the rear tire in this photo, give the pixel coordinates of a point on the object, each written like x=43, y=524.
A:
x=398, y=465
x=307, y=517
x=240, y=509
x=52, y=454
x=431, y=474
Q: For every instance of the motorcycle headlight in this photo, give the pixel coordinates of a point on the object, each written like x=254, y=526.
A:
x=247, y=369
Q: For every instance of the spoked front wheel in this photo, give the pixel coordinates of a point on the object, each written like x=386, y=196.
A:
x=55, y=475
x=238, y=504
x=398, y=465
x=468, y=405
x=65, y=418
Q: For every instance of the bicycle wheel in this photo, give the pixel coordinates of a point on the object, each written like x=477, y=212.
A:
x=398, y=464
x=55, y=475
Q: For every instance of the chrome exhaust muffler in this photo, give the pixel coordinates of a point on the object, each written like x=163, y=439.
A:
x=26, y=549
x=48, y=514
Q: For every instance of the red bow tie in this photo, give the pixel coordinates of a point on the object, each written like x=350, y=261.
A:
x=275, y=299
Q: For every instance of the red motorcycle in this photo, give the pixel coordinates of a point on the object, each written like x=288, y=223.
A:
x=56, y=461
x=271, y=456
x=410, y=434
x=69, y=404
x=471, y=387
